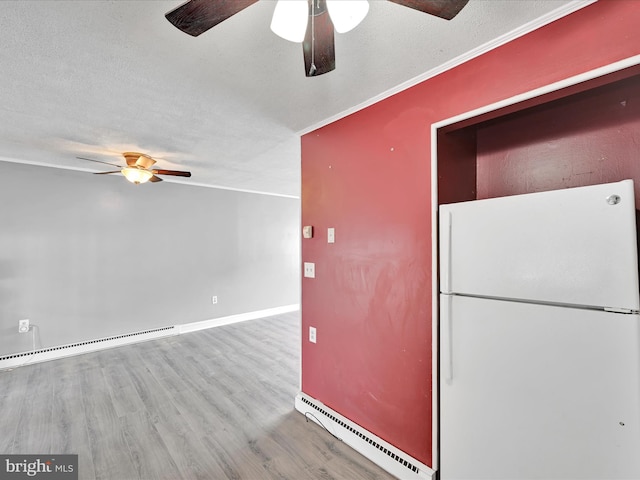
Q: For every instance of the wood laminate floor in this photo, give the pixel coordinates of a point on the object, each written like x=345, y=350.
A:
x=213, y=404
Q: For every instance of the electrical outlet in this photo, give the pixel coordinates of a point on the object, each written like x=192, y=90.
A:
x=309, y=270
x=214, y=299
x=312, y=334
x=23, y=326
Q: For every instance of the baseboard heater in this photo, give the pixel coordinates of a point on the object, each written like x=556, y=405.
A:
x=53, y=353
x=41, y=355
x=383, y=454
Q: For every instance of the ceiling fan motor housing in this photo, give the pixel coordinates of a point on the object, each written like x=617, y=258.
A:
x=135, y=159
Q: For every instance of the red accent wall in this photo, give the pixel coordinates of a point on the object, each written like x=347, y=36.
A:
x=585, y=139
x=368, y=176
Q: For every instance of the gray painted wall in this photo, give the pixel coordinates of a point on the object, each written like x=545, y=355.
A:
x=86, y=256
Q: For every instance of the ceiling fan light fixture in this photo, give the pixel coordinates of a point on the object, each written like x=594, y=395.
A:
x=290, y=19
x=137, y=175
x=347, y=14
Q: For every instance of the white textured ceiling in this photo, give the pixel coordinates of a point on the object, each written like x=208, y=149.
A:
x=97, y=78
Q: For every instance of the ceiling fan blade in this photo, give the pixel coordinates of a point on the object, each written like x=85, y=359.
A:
x=155, y=179
x=175, y=173
x=106, y=173
x=318, y=46
x=446, y=9
x=198, y=16
x=98, y=161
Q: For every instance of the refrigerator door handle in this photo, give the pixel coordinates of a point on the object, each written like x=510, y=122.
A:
x=446, y=333
x=446, y=229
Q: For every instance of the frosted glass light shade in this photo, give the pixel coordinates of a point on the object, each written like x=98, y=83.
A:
x=136, y=175
x=347, y=14
x=290, y=19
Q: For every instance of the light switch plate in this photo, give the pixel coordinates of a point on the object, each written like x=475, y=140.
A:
x=331, y=235
x=307, y=231
x=312, y=334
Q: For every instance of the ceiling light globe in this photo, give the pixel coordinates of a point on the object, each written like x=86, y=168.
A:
x=289, y=19
x=347, y=14
x=137, y=175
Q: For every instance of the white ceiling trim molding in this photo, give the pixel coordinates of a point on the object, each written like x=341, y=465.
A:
x=221, y=187
x=539, y=22
x=167, y=180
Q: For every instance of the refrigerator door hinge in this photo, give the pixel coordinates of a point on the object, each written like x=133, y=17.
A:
x=620, y=310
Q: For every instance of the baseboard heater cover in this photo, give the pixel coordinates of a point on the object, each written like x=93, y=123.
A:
x=380, y=452
x=51, y=353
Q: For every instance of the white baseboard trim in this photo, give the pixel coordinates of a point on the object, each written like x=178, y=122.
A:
x=241, y=317
x=382, y=453
x=53, y=353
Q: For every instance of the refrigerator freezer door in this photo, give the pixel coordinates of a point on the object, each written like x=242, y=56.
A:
x=538, y=392
x=573, y=246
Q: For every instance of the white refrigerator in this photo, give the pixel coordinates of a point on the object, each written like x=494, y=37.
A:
x=540, y=336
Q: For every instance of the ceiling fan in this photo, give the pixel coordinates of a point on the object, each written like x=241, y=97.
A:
x=311, y=22
x=138, y=168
